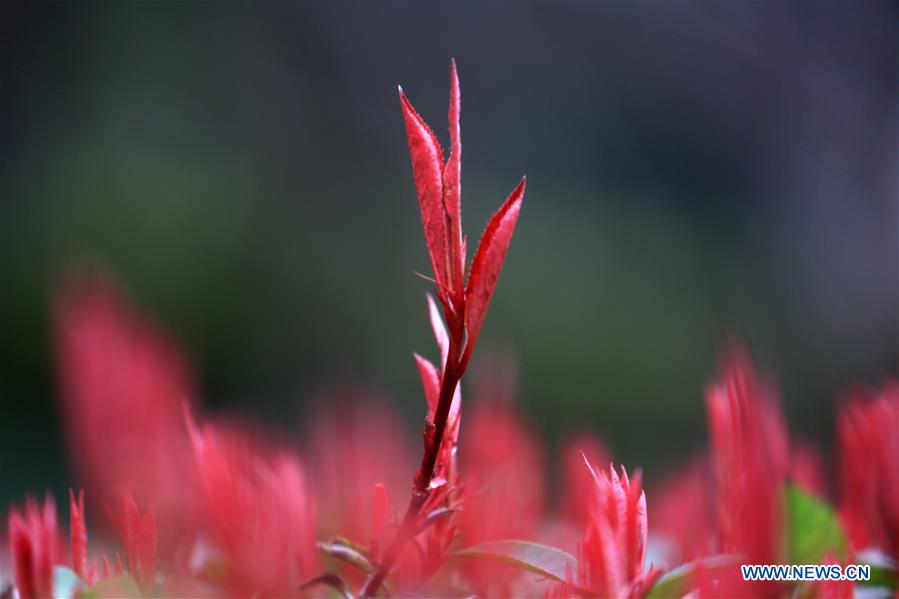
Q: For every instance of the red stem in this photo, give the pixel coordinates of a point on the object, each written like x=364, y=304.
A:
x=452, y=373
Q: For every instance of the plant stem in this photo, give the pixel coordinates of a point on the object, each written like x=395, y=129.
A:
x=422, y=481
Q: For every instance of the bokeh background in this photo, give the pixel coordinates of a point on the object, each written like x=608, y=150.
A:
x=696, y=172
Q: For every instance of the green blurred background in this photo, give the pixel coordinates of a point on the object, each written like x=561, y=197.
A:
x=696, y=171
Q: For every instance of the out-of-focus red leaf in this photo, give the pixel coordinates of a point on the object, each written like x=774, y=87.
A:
x=258, y=511
x=488, y=262
x=372, y=448
x=750, y=458
x=427, y=167
x=430, y=380
x=502, y=471
x=683, y=511
x=869, y=467
x=138, y=535
x=78, y=532
x=834, y=589
x=807, y=468
x=122, y=384
x=146, y=547
x=452, y=185
x=379, y=508
x=33, y=544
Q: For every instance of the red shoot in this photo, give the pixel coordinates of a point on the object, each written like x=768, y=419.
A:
x=439, y=191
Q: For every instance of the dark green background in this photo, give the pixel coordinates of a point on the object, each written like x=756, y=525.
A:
x=695, y=172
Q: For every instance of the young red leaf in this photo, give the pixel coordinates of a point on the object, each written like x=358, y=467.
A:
x=452, y=186
x=430, y=380
x=488, y=262
x=427, y=166
x=78, y=532
x=440, y=334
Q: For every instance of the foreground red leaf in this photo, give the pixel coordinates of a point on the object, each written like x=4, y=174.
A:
x=612, y=553
x=258, y=512
x=78, y=534
x=867, y=426
x=502, y=472
x=123, y=384
x=34, y=544
x=749, y=449
x=137, y=532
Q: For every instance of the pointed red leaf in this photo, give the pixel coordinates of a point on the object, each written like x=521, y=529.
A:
x=430, y=380
x=440, y=334
x=427, y=166
x=452, y=186
x=78, y=532
x=488, y=262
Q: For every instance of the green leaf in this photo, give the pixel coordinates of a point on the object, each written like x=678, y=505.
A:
x=812, y=529
x=120, y=587
x=534, y=557
x=676, y=582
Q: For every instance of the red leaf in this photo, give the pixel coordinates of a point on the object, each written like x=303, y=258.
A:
x=147, y=548
x=427, y=166
x=33, y=547
x=439, y=329
x=23, y=556
x=430, y=380
x=379, y=511
x=138, y=535
x=452, y=187
x=78, y=532
x=488, y=262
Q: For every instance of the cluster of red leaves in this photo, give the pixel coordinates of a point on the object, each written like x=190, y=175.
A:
x=731, y=500
x=868, y=430
x=204, y=508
